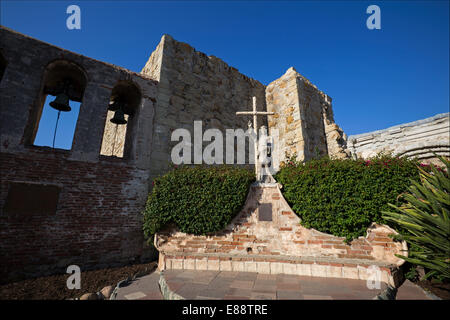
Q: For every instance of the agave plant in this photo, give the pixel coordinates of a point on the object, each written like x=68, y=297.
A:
x=424, y=222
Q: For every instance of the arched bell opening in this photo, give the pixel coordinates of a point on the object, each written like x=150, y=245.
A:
x=121, y=120
x=55, y=113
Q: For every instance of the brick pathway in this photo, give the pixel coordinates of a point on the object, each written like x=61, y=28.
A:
x=203, y=285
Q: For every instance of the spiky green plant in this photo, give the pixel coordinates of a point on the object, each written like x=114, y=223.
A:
x=424, y=222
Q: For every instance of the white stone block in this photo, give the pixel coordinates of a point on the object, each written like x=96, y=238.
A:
x=213, y=265
x=263, y=267
x=167, y=264
x=350, y=273
x=363, y=274
x=225, y=265
x=201, y=264
x=304, y=269
x=250, y=266
x=238, y=266
x=161, y=262
x=289, y=268
x=276, y=267
x=386, y=278
x=177, y=264
x=318, y=270
x=334, y=272
x=189, y=264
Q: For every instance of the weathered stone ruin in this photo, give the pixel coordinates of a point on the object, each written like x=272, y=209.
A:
x=423, y=139
x=83, y=206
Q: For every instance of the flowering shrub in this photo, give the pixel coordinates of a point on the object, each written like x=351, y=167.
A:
x=199, y=199
x=343, y=197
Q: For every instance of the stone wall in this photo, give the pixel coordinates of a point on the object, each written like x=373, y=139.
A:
x=418, y=139
x=280, y=245
x=113, y=143
x=97, y=200
x=336, y=138
x=193, y=86
x=303, y=119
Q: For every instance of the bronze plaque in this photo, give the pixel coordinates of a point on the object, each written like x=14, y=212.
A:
x=28, y=198
x=265, y=212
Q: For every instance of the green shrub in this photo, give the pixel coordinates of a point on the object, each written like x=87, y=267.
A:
x=424, y=223
x=343, y=197
x=198, y=199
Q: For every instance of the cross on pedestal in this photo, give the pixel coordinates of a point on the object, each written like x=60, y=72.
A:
x=255, y=128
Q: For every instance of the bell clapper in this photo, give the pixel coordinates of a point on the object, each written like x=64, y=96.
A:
x=61, y=103
x=56, y=127
x=117, y=119
x=114, y=140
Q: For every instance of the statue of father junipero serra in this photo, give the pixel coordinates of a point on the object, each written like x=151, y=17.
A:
x=265, y=145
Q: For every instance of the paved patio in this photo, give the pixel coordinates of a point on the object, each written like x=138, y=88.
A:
x=144, y=288
x=204, y=285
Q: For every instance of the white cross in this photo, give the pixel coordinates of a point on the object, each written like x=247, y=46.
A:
x=255, y=128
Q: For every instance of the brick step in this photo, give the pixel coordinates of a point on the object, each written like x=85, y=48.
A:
x=319, y=266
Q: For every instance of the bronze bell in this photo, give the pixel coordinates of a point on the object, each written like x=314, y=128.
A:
x=119, y=117
x=115, y=105
x=61, y=102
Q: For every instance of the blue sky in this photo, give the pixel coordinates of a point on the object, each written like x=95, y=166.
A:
x=377, y=78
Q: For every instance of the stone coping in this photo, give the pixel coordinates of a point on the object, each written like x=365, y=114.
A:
x=259, y=184
x=116, y=67
x=166, y=292
x=409, y=124
x=280, y=258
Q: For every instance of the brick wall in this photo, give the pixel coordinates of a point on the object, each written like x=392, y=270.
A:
x=95, y=222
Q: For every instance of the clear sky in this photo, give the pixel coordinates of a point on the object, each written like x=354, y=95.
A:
x=377, y=78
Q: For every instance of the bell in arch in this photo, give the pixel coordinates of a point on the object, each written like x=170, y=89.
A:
x=115, y=105
x=61, y=102
x=119, y=117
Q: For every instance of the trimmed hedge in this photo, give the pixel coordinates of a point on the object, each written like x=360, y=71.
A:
x=199, y=199
x=343, y=197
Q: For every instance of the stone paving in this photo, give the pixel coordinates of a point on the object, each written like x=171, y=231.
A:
x=145, y=288
x=215, y=285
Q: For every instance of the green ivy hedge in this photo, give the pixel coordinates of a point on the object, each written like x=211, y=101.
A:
x=343, y=197
x=199, y=199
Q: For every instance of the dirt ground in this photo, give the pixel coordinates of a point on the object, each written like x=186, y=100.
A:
x=54, y=287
